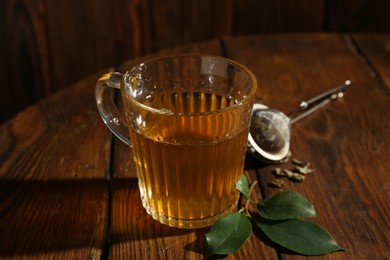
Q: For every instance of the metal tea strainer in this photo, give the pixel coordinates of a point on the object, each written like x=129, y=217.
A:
x=269, y=135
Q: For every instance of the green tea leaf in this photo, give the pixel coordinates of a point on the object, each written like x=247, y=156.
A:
x=286, y=205
x=228, y=234
x=243, y=187
x=300, y=236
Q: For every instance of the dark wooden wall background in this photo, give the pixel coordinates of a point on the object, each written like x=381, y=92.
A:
x=46, y=45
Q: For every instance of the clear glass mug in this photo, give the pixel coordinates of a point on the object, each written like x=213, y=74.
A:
x=188, y=117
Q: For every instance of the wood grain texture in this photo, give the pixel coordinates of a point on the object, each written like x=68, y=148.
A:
x=25, y=66
x=46, y=46
x=347, y=142
x=68, y=190
x=358, y=16
x=53, y=190
x=289, y=69
x=74, y=47
x=261, y=16
x=377, y=54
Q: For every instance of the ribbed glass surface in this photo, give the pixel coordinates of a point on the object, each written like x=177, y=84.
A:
x=188, y=161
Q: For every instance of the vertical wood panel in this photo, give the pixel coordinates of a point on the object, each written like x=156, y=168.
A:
x=359, y=15
x=48, y=45
x=129, y=28
x=25, y=75
x=262, y=16
x=165, y=25
x=81, y=38
x=206, y=19
x=176, y=22
x=88, y=36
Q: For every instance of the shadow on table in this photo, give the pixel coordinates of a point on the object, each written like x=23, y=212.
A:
x=132, y=228
x=252, y=163
x=128, y=217
x=48, y=217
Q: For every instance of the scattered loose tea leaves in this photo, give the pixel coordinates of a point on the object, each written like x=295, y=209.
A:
x=288, y=173
x=278, y=172
x=277, y=183
x=297, y=172
x=297, y=162
x=303, y=170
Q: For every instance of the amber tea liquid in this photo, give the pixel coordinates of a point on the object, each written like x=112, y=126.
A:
x=188, y=158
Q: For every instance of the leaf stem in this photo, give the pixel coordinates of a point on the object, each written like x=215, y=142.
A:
x=250, y=200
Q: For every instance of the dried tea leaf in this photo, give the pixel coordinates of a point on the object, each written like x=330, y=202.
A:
x=303, y=170
x=277, y=183
x=293, y=175
x=278, y=172
x=298, y=177
x=288, y=173
x=297, y=162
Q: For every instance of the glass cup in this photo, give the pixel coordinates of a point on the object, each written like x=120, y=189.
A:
x=188, y=117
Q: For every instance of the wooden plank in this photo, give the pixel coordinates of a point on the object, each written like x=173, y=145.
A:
x=376, y=49
x=133, y=233
x=53, y=190
x=163, y=19
x=347, y=143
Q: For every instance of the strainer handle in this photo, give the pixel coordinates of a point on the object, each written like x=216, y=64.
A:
x=309, y=106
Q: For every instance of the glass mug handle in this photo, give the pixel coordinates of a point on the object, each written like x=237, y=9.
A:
x=106, y=106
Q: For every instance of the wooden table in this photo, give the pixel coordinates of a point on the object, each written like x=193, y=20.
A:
x=68, y=188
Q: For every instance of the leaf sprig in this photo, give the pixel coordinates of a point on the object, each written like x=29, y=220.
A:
x=280, y=218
